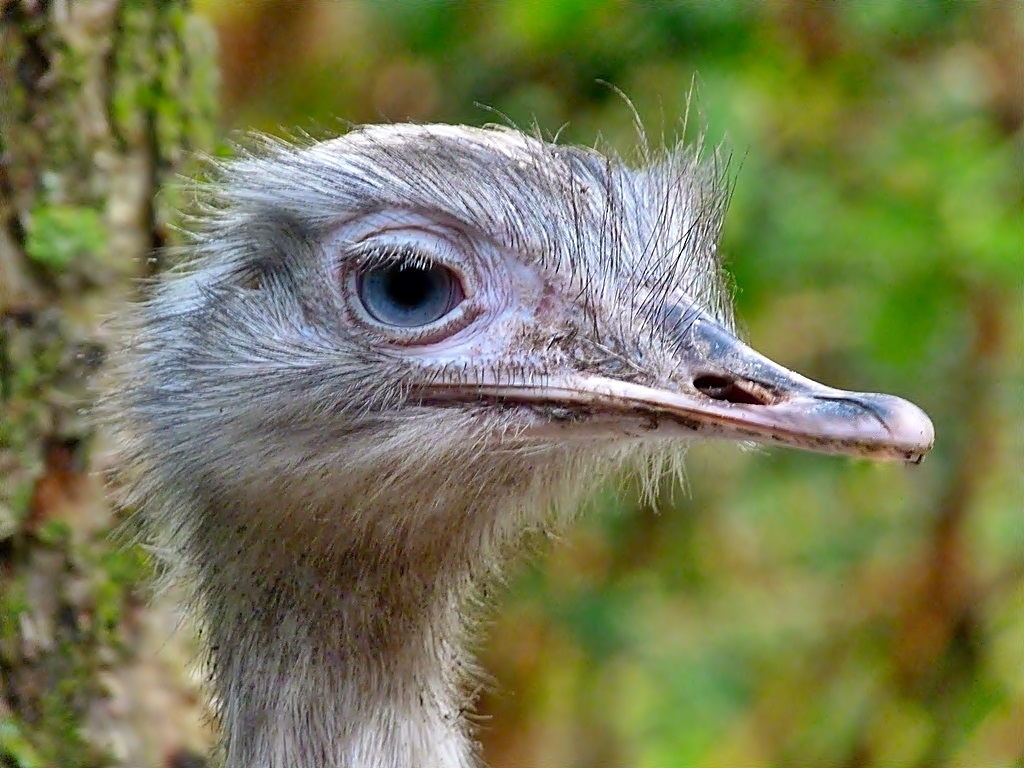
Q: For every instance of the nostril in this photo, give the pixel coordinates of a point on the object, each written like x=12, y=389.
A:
x=731, y=391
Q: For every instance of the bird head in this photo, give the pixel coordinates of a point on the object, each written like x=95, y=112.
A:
x=427, y=308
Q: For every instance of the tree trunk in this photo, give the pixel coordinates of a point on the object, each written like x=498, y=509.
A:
x=101, y=103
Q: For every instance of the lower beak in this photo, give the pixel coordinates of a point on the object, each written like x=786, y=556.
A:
x=725, y=389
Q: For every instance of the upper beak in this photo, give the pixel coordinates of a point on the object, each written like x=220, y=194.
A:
x=723, y=388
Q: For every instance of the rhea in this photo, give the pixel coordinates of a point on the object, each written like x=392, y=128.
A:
x=389, y=359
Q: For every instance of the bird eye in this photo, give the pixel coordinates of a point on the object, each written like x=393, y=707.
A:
x=405, y=295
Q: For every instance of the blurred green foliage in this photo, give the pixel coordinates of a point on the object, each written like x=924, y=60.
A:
x=783, y=609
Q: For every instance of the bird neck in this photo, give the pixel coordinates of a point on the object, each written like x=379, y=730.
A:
x=336, y=658
x=337, y=626
x=356, y=679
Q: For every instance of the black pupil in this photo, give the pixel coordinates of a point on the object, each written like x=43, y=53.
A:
x=409, y=287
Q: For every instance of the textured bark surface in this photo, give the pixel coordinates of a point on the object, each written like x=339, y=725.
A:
x=101, y=103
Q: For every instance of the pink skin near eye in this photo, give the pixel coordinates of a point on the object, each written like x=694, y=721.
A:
x=495, y=294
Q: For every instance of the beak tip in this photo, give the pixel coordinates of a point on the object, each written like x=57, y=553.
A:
x=909, y=427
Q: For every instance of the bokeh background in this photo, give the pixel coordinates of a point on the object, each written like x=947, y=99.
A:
x=782, y=609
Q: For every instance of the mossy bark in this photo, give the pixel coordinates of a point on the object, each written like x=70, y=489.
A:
x=101, y=103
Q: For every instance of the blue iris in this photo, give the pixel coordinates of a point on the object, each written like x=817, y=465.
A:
x=404, y=295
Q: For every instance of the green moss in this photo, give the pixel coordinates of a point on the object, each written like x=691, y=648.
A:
x=60, y=717
x=15, y=746
x=19, y=499
x=54, y=533
x=119, y=573
x=127, y=567
x=134, y=62
x=202, y=82
x=12, y=605
x=60, y=234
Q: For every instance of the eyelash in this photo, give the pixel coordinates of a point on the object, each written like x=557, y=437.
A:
x=402, y=255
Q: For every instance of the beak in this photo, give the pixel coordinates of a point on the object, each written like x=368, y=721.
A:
x=722, y=388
